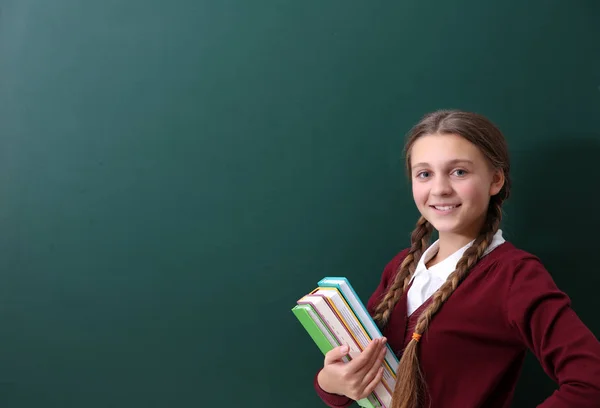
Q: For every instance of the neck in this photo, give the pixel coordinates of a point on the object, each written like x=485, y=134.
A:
x=450, y=242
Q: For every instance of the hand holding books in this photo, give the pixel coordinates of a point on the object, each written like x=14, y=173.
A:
x=334, y=316
x=357, y=378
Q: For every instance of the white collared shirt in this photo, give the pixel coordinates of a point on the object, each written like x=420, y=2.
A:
x=426, y=281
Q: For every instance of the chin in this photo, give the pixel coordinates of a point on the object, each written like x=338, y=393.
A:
x=443, y=226
x=446, y=230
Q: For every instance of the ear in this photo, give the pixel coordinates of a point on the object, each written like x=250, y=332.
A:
x=497, y=182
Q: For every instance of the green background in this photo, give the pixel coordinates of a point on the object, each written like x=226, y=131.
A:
x=174, y=175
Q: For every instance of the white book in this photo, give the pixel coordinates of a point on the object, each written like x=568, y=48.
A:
x=371, y=400
x=330, y=317
x=356, y=329
x=346, y=289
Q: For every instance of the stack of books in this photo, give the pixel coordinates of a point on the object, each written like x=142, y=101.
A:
x=334, y=315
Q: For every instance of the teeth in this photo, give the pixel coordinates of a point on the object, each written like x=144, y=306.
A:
x=445, y=208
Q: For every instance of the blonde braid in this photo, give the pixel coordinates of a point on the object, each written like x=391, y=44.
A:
x=419, y=242
x=410, y=385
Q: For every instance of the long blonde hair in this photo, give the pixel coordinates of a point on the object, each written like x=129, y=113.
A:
x=410, y=387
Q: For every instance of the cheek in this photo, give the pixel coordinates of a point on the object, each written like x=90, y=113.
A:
x=472, y=192
x=420, y=193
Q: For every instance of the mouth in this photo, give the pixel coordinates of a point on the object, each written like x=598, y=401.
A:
x=445, y=208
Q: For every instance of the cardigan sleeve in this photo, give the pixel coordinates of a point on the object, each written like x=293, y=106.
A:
x=331, y=400
x=341, y=401
x=544, y=321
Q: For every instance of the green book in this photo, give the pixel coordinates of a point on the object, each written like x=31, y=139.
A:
x=325, y=341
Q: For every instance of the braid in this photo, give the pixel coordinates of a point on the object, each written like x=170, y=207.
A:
x=471, y=256
x=410, y=385
x=419, y=242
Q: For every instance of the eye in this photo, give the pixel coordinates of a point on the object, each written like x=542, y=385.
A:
x=460, y=172
x=423, y=174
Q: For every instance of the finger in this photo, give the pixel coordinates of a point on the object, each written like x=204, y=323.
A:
x=368, y=354
x=374, y=368
x=336, y=354
x=371, y=386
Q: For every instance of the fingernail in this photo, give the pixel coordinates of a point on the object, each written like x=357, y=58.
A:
x=344, y=348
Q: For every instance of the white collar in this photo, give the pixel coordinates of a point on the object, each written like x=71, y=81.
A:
x=444, y=268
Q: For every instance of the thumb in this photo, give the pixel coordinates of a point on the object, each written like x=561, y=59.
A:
x=336, y=354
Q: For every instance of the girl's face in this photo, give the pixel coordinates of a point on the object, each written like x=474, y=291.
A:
x=452, y=183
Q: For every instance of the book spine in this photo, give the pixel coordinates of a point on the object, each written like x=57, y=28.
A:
x=333, y=322
x=325, y=343
x=339, y=305
x=361, y=312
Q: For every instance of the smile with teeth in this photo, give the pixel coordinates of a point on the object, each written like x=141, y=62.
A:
x=445, y=207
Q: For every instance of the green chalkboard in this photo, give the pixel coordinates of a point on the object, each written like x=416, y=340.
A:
x=174, y=175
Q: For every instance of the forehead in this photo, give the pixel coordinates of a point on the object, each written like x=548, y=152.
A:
x=439, y=149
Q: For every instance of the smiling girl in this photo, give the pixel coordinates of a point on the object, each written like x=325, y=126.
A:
x=462, y=312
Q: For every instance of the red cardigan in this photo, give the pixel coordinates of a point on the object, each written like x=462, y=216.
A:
x=473, y=351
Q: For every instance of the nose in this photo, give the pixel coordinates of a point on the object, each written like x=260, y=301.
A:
x=441, y=186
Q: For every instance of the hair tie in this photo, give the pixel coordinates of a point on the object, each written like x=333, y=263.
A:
x=416, y=336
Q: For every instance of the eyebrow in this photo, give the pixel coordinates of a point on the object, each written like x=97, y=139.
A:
x=451, y=162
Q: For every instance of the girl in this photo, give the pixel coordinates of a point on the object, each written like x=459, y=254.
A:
x=461, y=313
